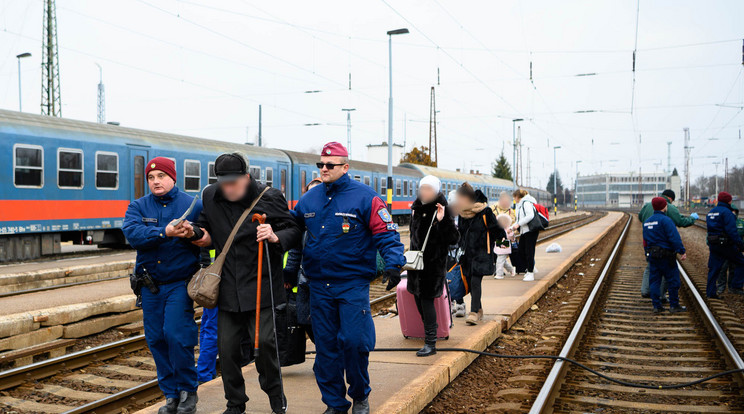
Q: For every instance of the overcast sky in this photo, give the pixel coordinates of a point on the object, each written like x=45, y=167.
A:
x=202, y=67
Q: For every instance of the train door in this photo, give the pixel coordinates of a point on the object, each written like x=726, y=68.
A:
x=138, y=158
x=284, y=184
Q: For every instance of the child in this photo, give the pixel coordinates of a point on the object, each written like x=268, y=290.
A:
x=503, y=248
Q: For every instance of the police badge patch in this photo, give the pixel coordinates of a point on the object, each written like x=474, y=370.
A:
x=384, y=215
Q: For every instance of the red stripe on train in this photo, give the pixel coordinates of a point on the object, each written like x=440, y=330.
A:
x=31, y=210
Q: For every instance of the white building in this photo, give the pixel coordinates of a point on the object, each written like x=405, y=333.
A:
x=378, y=153
x=623, y=189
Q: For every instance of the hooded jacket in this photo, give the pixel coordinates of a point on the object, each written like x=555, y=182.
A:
x=429, y=282
x=525, y=213
x=239, y=273
x=475, y=232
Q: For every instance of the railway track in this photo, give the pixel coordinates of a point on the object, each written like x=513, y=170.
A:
x=617, y=334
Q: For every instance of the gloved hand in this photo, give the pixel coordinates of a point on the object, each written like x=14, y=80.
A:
x=392, y=277
x=695, y=216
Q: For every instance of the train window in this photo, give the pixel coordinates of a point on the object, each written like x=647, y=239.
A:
x=191, y=175
x=28, y=165
x=283, y=181
x=315, y=175
x=107, y=170
x=69, y=168
x=366, y=180
x=398, y=186
x=405, y=188
x=358, y=178
x=255, y=173
x=211, y=176
x=383, y=187
x=303, y=181
x=377, y=184
x=410, y=186
x=139, y=176
x=269, y=177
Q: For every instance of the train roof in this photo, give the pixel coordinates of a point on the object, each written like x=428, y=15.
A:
x=38, y=125
x=460, y=177
x=311, y=159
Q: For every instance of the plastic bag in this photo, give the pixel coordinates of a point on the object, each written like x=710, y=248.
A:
x=554, y=248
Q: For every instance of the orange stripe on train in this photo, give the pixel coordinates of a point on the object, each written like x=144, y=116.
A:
x=32, y=210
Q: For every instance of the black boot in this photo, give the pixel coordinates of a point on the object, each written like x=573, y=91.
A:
x=677, y=309
x=187, y=403
x=331, y=410
x=360, y=407
x=170, y=407
x=278, y=404
x=658, y=311
x=427, y=350
x=235, y=409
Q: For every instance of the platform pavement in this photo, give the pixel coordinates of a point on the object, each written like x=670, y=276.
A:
x=403, y=383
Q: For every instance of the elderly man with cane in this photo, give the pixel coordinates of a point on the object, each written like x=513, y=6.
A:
x=224, y=203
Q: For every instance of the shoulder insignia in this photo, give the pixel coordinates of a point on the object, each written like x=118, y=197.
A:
x=384, y=215
x=392, y=227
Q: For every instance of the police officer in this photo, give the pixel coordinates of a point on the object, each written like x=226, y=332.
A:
x=347, y=223
x=726, y=277
x=166, y=260
x=662, y=243
x=679, y=220
x=724, y=244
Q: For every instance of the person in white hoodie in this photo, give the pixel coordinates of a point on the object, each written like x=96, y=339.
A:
x=527, y=236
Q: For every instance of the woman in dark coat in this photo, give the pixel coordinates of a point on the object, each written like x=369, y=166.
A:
x=479, y=231
x=430, y=209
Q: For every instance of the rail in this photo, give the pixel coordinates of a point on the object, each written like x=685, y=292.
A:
x=546, y=395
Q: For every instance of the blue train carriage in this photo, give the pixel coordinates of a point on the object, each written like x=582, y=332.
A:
x=542, y=196
x=451, y=180
x=405, y=181
x=67, y=180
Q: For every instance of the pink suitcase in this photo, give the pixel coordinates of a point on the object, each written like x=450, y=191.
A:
x=410, y=319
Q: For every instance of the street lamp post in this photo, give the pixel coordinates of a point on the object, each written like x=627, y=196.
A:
x=390, y=118
x=576, y=187
x=20, y=100
x=514, y=150
x=717, y=164
x=555, y=181
x=348, y=128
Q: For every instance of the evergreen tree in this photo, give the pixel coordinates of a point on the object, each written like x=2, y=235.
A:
x=501, y=168
x=559, y=187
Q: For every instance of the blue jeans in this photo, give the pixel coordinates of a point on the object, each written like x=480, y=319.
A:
x=207, y=364
x=344, y=335
x=171, y=334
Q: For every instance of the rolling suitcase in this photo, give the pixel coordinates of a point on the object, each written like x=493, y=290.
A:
x=410, y=319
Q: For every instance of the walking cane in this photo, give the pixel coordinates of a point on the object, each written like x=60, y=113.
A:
x=261, y=218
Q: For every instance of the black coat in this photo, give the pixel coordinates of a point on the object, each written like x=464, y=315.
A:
x=428, y=283
x=477, y=258
x=239, y=273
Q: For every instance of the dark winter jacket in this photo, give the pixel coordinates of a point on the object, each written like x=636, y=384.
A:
x=239, y=273
x=429, y=283
x=477, y=258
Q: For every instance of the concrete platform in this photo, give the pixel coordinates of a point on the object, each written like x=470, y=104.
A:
x=403, y=383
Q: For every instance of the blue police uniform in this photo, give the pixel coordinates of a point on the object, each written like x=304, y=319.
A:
x=170, y=330
x=725, y=245
x=662, y=242
x=346, y=223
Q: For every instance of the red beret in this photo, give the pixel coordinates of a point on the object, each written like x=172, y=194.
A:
x=163, y=164
x=724, y=197
x=658, y=203
x=334, y=149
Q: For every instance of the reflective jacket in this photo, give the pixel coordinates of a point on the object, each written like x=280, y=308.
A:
x=722, y=221
x=167, y=259
x=346, y=223
x=659, y=231
x=672, y=212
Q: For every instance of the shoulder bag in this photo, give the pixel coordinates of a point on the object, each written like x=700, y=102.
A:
x=415, y=258
x=204, y=286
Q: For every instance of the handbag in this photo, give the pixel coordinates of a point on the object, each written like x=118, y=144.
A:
x=204, y=286
x=415, y=258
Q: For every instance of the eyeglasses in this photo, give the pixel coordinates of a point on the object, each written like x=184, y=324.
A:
x=328, y=165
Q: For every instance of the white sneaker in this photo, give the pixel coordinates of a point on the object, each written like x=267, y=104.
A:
x=513, y=272
x=528, y=277
x=460, y=313
x=498, y=276
x=534, y=269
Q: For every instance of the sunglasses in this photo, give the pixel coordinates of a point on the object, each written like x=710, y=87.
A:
x=328, y=165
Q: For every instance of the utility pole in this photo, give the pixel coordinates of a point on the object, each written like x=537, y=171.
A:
x=433, y=128
x=20, y=95
x=390, y=118
x=520, y=176
x=555, y=181
x=687, y=167
x=669, y=157
x=576, y=187
x=514, y=150
x=101, y=97
x=348, y=128
x=260, y=138
x=51, y=96
x=725, y=176
x=717, y=164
